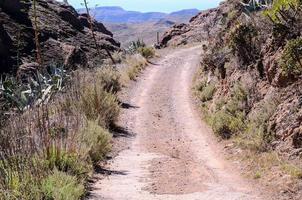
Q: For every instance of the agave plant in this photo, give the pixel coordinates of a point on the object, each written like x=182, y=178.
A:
x=35, y=91
x=256, y=5
x=135, y=45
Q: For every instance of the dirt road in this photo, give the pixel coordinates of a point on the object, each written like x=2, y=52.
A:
x=173, y=155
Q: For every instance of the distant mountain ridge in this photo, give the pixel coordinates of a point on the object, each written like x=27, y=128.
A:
x=115, y=14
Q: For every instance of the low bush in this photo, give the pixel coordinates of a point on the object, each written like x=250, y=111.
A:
x=292, y=170
x=229, y=117
x=207, y=92
x=147, y=52
x=225, y=125
x=118, y=56
x=16, y=184
x=61, y=186
x=73, y=163
x=257, y=136
x=291, y=60
x=98, y=104
x=109, y=78
x=243, y=43
x=279, y=6
x=135, y=65
x=97, y=141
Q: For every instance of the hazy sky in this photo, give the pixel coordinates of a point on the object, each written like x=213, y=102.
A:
x=151, y=5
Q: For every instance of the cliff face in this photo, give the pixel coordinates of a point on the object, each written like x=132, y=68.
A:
x=64, y=36
x=250, y=57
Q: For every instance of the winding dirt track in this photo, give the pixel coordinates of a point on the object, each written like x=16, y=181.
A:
x=172, y=155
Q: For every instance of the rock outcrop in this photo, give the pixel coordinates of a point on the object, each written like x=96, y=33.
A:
x=201, y=27
x=65, y=37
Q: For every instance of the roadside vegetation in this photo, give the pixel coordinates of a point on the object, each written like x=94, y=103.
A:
x=228, y=90
x=56, y=127
x=50, y=150
x=136, y=60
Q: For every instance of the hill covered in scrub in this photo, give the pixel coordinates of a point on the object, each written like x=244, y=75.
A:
x=250, y=81
x=64, y=36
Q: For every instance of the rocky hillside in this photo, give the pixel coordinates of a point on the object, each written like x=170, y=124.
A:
x=64, y=36
x=250, y=84
x=200, y=27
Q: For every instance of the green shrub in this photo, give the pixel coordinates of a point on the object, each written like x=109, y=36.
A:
x=109, y=77
x=44, y=140
x=97, y=141
x=279, y=6
x=225, y=125
x=229, y=118
x=257, y=135
x=207, y=92
x=18, y=184
x=147, y=52
x=292, y=170
x=98, y=104
x=61, y=186
x=242, y=43
x=70, y=162
x=136, y=64
x=238, y=101
x=291, y=60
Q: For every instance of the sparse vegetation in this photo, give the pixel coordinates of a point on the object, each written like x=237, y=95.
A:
x=276, y=12
x=207, y=91
x=61, y=186
x=141, y=48
x=60, y=146
x=135, y=65
x=96, y=140
x=257, y=136
x=98, y=104
x=147, y=52
x=291, y=60
x=294, y=171
x=242, y=43
x=228, y=119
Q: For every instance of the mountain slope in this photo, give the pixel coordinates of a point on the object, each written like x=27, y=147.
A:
x=128, y=26
x=119, y=15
